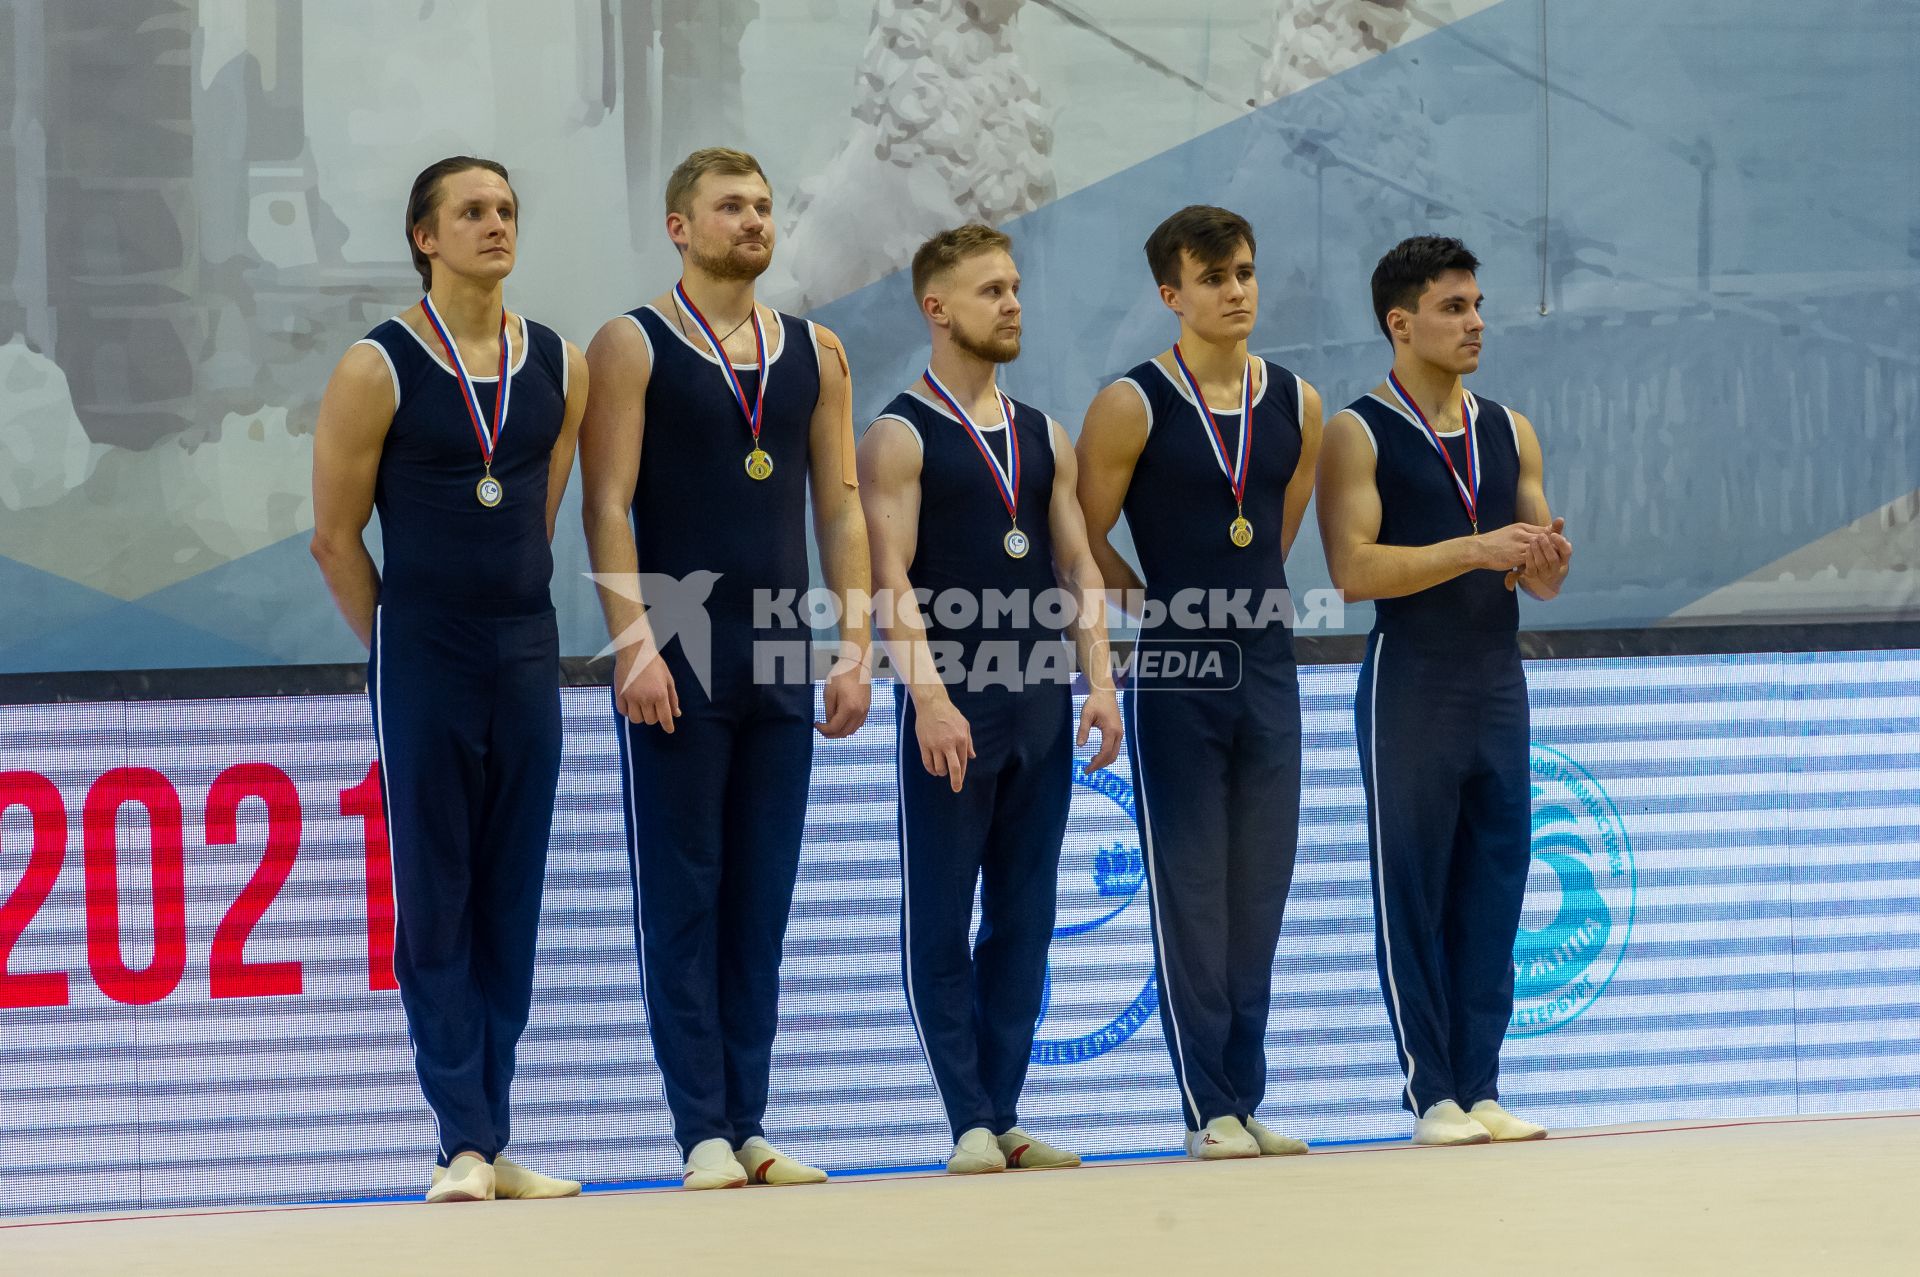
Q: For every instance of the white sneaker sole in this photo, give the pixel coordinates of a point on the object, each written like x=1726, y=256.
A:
x=479, y=1186
x=1220, y=1152
x=782, y=1177
x=538, y=1193
x=1272, y=1143
x=974, y=1168
x=515, y=1183
x=709, y=1179
x=463, y=1190
x=1030, y=1157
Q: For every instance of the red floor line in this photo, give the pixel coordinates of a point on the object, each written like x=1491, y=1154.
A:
x=919, y=1175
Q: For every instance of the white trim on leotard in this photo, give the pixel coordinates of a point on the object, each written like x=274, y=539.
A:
x=392, y=374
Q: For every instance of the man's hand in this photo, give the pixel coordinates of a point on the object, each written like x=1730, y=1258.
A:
x=1102, y=711
x=646, y=692
x=946, y=742
x=1546, y=564
x=1505, y=549
x=849, y=694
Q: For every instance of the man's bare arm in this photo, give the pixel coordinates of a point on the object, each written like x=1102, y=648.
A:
x=838, y=522
x=1350, y=514
x=1074, y=566
x=611, y=431
x=890, y=492
x=560, y=461
x=1300, y=487
x=1075, y=570
x=1111, y=439
x=1548, y=561
x=355, y=414
x=611, y=434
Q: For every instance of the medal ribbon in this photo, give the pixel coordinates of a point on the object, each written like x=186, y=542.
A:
x=753, y=414
x=1243, y=456
x=1469, y=488
x=471, y=397
x=1005, y=482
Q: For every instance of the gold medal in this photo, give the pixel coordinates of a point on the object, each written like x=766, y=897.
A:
x=1016, y=544
x=759, y=464
x=1237, y=466
x=489, y=491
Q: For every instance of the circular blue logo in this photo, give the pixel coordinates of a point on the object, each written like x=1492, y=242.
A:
x=1581, y=894
x=1102, y=936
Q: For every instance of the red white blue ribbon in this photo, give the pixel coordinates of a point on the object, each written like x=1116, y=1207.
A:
x=1236, y=472
x=754, y=413
x=1468, y=487
x=489, y=440
x=1006, y=480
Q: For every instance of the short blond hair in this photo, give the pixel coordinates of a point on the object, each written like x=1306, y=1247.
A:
x=949, y=248
x=711, y=159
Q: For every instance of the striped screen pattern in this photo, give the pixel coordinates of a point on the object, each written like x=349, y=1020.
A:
x=1723, y=920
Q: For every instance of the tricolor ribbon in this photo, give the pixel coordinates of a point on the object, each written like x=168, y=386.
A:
x=752, y=414
x=1469, y=487
x=1005, y=481
x=502, y=392
x=1243, y=455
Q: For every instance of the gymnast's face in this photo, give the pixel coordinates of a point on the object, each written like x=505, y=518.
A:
x=475, y=229
x=727, y=230
x=1444, y=327
x=977, y=300
x=1217, y=301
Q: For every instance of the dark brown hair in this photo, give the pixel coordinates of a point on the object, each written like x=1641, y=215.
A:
x=1409, y=266
x=1210, y=234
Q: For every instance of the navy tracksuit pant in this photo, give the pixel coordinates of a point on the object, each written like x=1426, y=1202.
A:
x=466, y=714
x=715, y=813
x=1217, y=799
x=1443, y=730
x=976, y=1011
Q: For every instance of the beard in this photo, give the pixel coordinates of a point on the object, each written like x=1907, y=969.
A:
x=731, y=265
x=992, y=347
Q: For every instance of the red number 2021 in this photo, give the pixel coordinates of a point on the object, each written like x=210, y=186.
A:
x=230, y=975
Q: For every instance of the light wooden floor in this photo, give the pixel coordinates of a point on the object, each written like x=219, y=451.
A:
x=1821, y=1196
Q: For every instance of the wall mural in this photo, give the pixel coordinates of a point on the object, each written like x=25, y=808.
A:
x=1705, y=291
